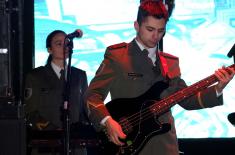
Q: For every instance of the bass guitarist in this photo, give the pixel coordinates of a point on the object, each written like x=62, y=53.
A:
x=130, y=69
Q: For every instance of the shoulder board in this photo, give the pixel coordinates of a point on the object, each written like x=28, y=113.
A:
x=116, y=46
x=167, y=55
x=37, y=70
x=77, y=69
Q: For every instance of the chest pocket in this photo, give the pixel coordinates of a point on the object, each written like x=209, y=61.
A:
x=49, y=97
x=135, y=80
x=133, y=76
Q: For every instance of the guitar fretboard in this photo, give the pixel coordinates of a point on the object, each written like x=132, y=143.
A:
x=165, y=104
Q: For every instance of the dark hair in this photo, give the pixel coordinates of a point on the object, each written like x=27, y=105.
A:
x=51, y=36
x=171, y=6
x=151, y=8
x=48, y=42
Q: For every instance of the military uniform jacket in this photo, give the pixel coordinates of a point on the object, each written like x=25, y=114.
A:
x=126, y=72
x=44, y=96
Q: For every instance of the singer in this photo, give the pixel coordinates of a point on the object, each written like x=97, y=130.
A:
x=128, y=71
x=43, y=92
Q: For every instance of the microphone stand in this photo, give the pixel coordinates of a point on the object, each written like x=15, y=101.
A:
x=234, y=58
x=66, y=94
x=231, y=116
x=231, y=53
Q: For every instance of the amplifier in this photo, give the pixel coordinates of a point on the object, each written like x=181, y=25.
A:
x=13, y=137
x=9, y=109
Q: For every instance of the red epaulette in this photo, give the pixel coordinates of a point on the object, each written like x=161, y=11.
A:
x=167, y=55
x=116, y=46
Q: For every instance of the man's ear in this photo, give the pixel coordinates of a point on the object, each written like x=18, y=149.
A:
x=136, y=26
x=49, y=50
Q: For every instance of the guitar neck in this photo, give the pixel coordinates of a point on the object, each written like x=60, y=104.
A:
x=165, y=104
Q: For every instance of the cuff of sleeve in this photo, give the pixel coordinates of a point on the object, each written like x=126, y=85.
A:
x=104, y=120
x=218, y=94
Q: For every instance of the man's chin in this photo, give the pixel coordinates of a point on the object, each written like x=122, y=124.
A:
x=152, y=45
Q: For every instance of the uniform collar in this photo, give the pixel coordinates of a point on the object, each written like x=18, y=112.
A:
x=152, y=51
x=57, y=69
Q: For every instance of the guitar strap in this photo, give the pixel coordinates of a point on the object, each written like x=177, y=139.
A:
x=169, y=65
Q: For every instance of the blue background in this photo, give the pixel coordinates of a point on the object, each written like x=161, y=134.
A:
x=199, y=32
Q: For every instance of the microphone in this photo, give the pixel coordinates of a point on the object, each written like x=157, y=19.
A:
x=231, y=52
x=231, y=118
x=76, y=34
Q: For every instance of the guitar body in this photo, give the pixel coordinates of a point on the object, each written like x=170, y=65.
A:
x=129, y=112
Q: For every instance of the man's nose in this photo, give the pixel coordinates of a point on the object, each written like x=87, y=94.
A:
x=156, y=35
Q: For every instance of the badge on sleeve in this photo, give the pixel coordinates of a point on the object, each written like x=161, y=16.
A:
x=27, y=93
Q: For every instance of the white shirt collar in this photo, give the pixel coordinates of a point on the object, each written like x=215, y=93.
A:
x=151, y=51
x=57, y=69
x=140, y=45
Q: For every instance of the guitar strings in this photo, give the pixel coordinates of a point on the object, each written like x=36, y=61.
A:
x=163, y=105
x=209, y=80
x=204, y=84
x=145, y=112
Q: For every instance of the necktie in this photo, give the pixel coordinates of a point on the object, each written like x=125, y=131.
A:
x=62, y=74
x=146, y=54
x=156, y=67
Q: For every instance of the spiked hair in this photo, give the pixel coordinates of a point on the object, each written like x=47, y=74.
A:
x=154, y=8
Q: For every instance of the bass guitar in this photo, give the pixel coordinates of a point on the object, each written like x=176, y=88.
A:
x=138, y=116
